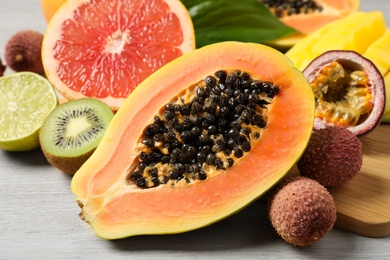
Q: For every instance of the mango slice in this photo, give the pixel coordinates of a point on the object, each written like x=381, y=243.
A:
x=379, y=53
x=355, y=32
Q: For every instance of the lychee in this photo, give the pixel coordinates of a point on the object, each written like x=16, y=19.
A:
x=333, y=157
x=23, y=51
x=302, y=211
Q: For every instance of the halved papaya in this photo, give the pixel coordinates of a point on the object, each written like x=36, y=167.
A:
x=308, y=16
x=198, y=140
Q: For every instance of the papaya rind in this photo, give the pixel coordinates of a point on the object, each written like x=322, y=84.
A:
x=116, y=209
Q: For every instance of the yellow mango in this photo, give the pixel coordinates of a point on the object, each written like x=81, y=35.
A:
x=379, y=53
x=355, y=32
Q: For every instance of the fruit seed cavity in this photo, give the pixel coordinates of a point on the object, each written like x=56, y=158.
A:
x=204, y=130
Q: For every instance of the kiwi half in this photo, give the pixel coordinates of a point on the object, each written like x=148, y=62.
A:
x=72, y=131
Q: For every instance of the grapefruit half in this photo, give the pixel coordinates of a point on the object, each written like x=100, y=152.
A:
x=104, y=48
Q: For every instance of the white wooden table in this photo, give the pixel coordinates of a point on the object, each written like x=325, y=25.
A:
x=39, y=218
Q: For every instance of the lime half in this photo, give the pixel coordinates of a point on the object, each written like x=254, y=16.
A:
x=26, y=99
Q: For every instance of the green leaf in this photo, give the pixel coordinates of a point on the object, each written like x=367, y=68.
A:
x=234, y=20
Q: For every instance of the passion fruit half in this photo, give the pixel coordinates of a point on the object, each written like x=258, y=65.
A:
x=349, y=91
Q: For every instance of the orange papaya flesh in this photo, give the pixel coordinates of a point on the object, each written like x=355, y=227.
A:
x=308, y=16
x=116, y=208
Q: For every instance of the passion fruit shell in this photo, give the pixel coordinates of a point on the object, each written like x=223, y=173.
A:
x=2, y=68
x=349, y=91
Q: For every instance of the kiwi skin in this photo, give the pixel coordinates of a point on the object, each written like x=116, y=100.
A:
x=68, y=165
x=70, y=159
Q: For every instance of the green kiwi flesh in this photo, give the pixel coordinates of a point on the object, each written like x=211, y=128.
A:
x=71, y=133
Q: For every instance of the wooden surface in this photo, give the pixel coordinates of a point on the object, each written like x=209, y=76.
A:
x=363, y=205
x=39, y=217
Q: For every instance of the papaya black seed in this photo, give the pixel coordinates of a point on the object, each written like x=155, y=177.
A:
x=136, y=175
x=253, y=98
x=196, y=108
x=211, y=107
x=246, y=146
x=165, y=159
x=143, y=157
x=231, y=80
x=173, y=175
x=179, y=168
x=221, y=74
x=224, y=111
x=196, y=120
x=153, y=172
x=190, y=152
x=200, y=92
x=233, y=133
x=156, y=181
x=229, y=92
x=164, y=180
x=202, y=176
x=199, y=100
x=231, y=143
x=245, y=76
x=204, y=138
x=208, y=89
x=212, y=129
x=221, y=143
x=230, y=161
x=262, y=103
x=185, y=109
x=210, y=81
x=173, y=122
x=142, y=166
x=169, y=107
x=218, y=163
x=220, y=117
x=210, y=118
x=283, y=8
x=216, y=148
x=246, y=131
x=148, y=142
x=141, y=182
x=210, y=159
x=238, y=153
x=186, y=135
x=182, y=158
x=196, y=131
x=201, y=157
x=175, y=153
x=158, y=137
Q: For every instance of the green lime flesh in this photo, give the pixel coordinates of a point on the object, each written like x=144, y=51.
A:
x=26, y=100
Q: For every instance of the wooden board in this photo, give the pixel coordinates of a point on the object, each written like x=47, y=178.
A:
x=363, y=204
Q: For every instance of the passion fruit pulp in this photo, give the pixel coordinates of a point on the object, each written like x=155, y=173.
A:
x=349, y=91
